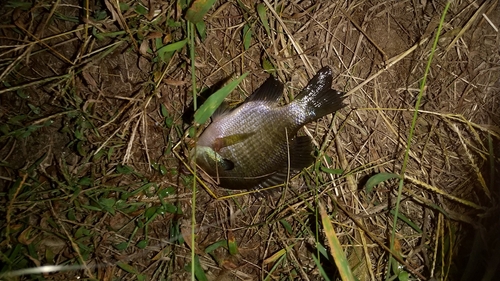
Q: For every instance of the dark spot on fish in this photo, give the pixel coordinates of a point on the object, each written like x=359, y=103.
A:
x=227, y=164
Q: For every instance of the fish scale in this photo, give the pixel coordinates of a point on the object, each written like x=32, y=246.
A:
x=255, y=145
x=251, y=148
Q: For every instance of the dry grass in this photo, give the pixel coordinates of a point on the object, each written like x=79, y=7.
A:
x=89, y=177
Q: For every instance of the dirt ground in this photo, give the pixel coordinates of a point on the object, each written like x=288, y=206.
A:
x=96, y=106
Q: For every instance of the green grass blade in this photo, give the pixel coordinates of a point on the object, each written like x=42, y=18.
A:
x=221, y=243
x=321, y=270
x=198, y=9
x=198, y=269
x=173, y=46
x=407, y=221
x=412, y=129
x=247, y=36
x=201, y=27
x=261, y=11
x=214, y=101
x=378, y=178
x=335, y=248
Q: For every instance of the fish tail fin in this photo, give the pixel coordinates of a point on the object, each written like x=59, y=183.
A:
x=318, y=98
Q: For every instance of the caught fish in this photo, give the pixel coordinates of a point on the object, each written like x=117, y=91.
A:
x=255, y=145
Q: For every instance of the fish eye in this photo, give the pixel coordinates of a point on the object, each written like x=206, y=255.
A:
x=227, y=164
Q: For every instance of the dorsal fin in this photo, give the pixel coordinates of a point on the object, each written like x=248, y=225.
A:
x=270, y=91
x=222, y=110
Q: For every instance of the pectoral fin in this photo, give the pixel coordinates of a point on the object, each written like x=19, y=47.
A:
x=230, y=140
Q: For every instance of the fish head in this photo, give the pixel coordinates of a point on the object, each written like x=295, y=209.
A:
x=206, y=152
x=210, y=160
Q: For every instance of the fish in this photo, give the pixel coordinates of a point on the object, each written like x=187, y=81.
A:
x=255, y=145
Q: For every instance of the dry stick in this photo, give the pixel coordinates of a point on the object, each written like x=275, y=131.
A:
x=88, y=55
x=121, y=21
x=11, y=205
x=485, y=16
x=297, y=47
x=441, y=192
x=266, y=250
x=83, y=47
x=160, y=79
x=466, y=26
x=374, y=239
x=49, y=17
x=145, y=137
x=456, y=117
x=122, y=110
x=86, y=20
x=355, y=55
x=443, y=246
x=7, y=70
x=107, y=140
x=303, y=274
x=476, y=136
x=436, y=244
x=29, y=44
x=456, y=76
x=432, y=205
x=44, y=269
x=75, y=247
x=47, y=46
x=343, y=162
x=15, y=88
x=388, y=64
x=324, y=147
x=143, y=115
x=364, y=33
x=367, y=254
x=398, y=137
x=42, y=120
x=128, y=152
x=480, y=177
x=13, y=64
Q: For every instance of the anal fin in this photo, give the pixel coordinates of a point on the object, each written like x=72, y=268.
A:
x=300, y=153
x=300, y=150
